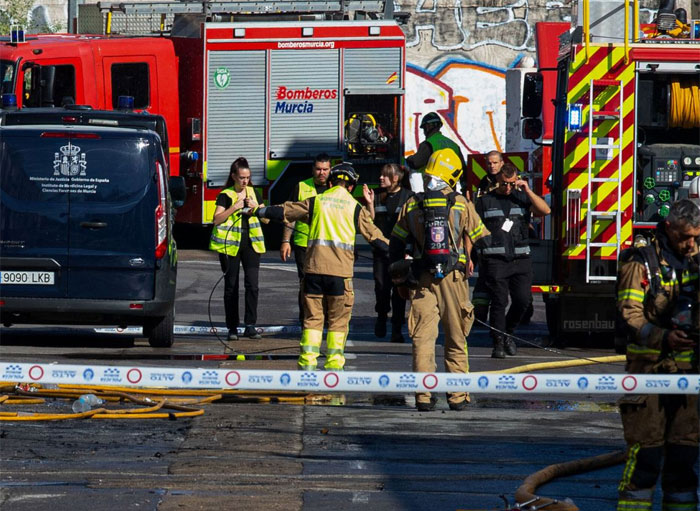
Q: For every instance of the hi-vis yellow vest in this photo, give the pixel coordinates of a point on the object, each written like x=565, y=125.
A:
x=439, y=141
x=333, y=220
x=301, y=230
x=226, y=237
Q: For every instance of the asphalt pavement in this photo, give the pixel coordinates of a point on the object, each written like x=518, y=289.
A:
x=348, y=451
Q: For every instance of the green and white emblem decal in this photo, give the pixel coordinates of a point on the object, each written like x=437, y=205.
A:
x=222, y=77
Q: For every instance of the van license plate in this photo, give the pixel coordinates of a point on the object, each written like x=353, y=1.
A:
x=41, y=278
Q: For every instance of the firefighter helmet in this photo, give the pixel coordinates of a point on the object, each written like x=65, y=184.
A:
x=446, y=165
x=431, y=118
x=345, y=172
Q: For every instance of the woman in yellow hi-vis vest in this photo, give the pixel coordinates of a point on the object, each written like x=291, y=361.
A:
x=333, y=217
x=239, y=240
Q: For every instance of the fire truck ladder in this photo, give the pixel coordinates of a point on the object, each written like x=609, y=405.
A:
x=594, y=215
x=370, y=7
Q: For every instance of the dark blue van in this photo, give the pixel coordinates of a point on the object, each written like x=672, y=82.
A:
x=86, y=221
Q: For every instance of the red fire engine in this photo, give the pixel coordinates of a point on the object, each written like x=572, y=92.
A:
x=277, y=87
x=615, y=110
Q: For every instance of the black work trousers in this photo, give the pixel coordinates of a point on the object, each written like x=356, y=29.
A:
x=299, y=258
x=231, y=266
x=386, y=294
x=503, y=279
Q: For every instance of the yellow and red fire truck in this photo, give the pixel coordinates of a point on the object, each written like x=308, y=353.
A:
x=615, y=110
x=275, y=82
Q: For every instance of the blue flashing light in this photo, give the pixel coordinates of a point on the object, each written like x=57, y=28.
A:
x=16, y=34
x=575, y=117
x=125, y=103
x=9, y=101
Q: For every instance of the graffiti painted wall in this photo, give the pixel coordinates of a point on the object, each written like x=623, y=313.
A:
x=458, y=52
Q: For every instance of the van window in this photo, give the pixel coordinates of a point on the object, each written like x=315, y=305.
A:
x=7, y=76
x=131, y=79
x=48, y=86
x=109, y=169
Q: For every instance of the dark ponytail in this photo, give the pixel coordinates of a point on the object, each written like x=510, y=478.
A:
x=239, y=163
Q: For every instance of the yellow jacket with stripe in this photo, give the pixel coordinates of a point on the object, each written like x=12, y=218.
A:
x=334, y=217
x=647, y=314
x=463, y=221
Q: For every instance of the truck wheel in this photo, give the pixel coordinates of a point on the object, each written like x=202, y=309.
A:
x=160, y=331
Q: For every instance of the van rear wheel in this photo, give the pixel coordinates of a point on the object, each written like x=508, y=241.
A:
x=160, y=331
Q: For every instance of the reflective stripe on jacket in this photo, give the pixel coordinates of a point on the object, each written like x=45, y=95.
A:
x=333, y=220
x=647, y=314
x=462, y=220
x=307, y=189
x=226, y=237
x=509, y=244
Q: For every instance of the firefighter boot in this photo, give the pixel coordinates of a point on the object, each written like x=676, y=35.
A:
x=498, y=347
x=429, y=406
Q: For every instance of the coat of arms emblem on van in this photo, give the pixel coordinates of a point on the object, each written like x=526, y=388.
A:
x=69, y=162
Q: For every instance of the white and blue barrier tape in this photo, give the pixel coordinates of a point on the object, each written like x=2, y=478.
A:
x=348, y=381
x=204, y=330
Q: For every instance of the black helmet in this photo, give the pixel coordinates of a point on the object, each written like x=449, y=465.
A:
x=431, y=118
x=344, y=171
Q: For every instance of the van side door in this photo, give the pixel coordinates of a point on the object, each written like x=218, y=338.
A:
x=34, y=212
x=113, y=201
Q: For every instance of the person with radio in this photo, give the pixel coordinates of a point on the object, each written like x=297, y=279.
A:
x=658, y=303
x=504, y=257
x=438, y=227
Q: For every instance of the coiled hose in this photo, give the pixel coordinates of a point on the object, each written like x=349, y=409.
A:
x=685, y=104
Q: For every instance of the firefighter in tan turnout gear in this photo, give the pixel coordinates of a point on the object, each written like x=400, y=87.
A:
x=440, y=225
x=333, y=217
x=658, y=304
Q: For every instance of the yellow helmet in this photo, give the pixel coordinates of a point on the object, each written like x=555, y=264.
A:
x=446, y=165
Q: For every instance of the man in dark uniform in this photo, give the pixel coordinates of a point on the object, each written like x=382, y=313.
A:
x=480, y=294
x=299, y=232
x=658, y=302
x=504, y=257
x=434, y=141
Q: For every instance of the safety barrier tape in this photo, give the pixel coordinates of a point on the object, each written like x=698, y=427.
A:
x=205, y=330
x=349, y=381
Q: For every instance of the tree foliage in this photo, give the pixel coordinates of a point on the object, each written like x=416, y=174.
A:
x=19, y=12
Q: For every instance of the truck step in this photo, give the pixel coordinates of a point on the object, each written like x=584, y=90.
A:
x=604, y=180
x=601, y=278
x=606, y=114
x=606, y=83
x=602, y=245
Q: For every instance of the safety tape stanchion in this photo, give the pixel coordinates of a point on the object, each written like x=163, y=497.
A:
x=348, y=381
x=204, y=330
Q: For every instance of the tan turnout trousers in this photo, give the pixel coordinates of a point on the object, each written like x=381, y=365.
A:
x=443, y=301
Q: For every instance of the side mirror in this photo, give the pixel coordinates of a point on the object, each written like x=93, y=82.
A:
x=532, y=95
x=532, y=128
x=178, y=190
